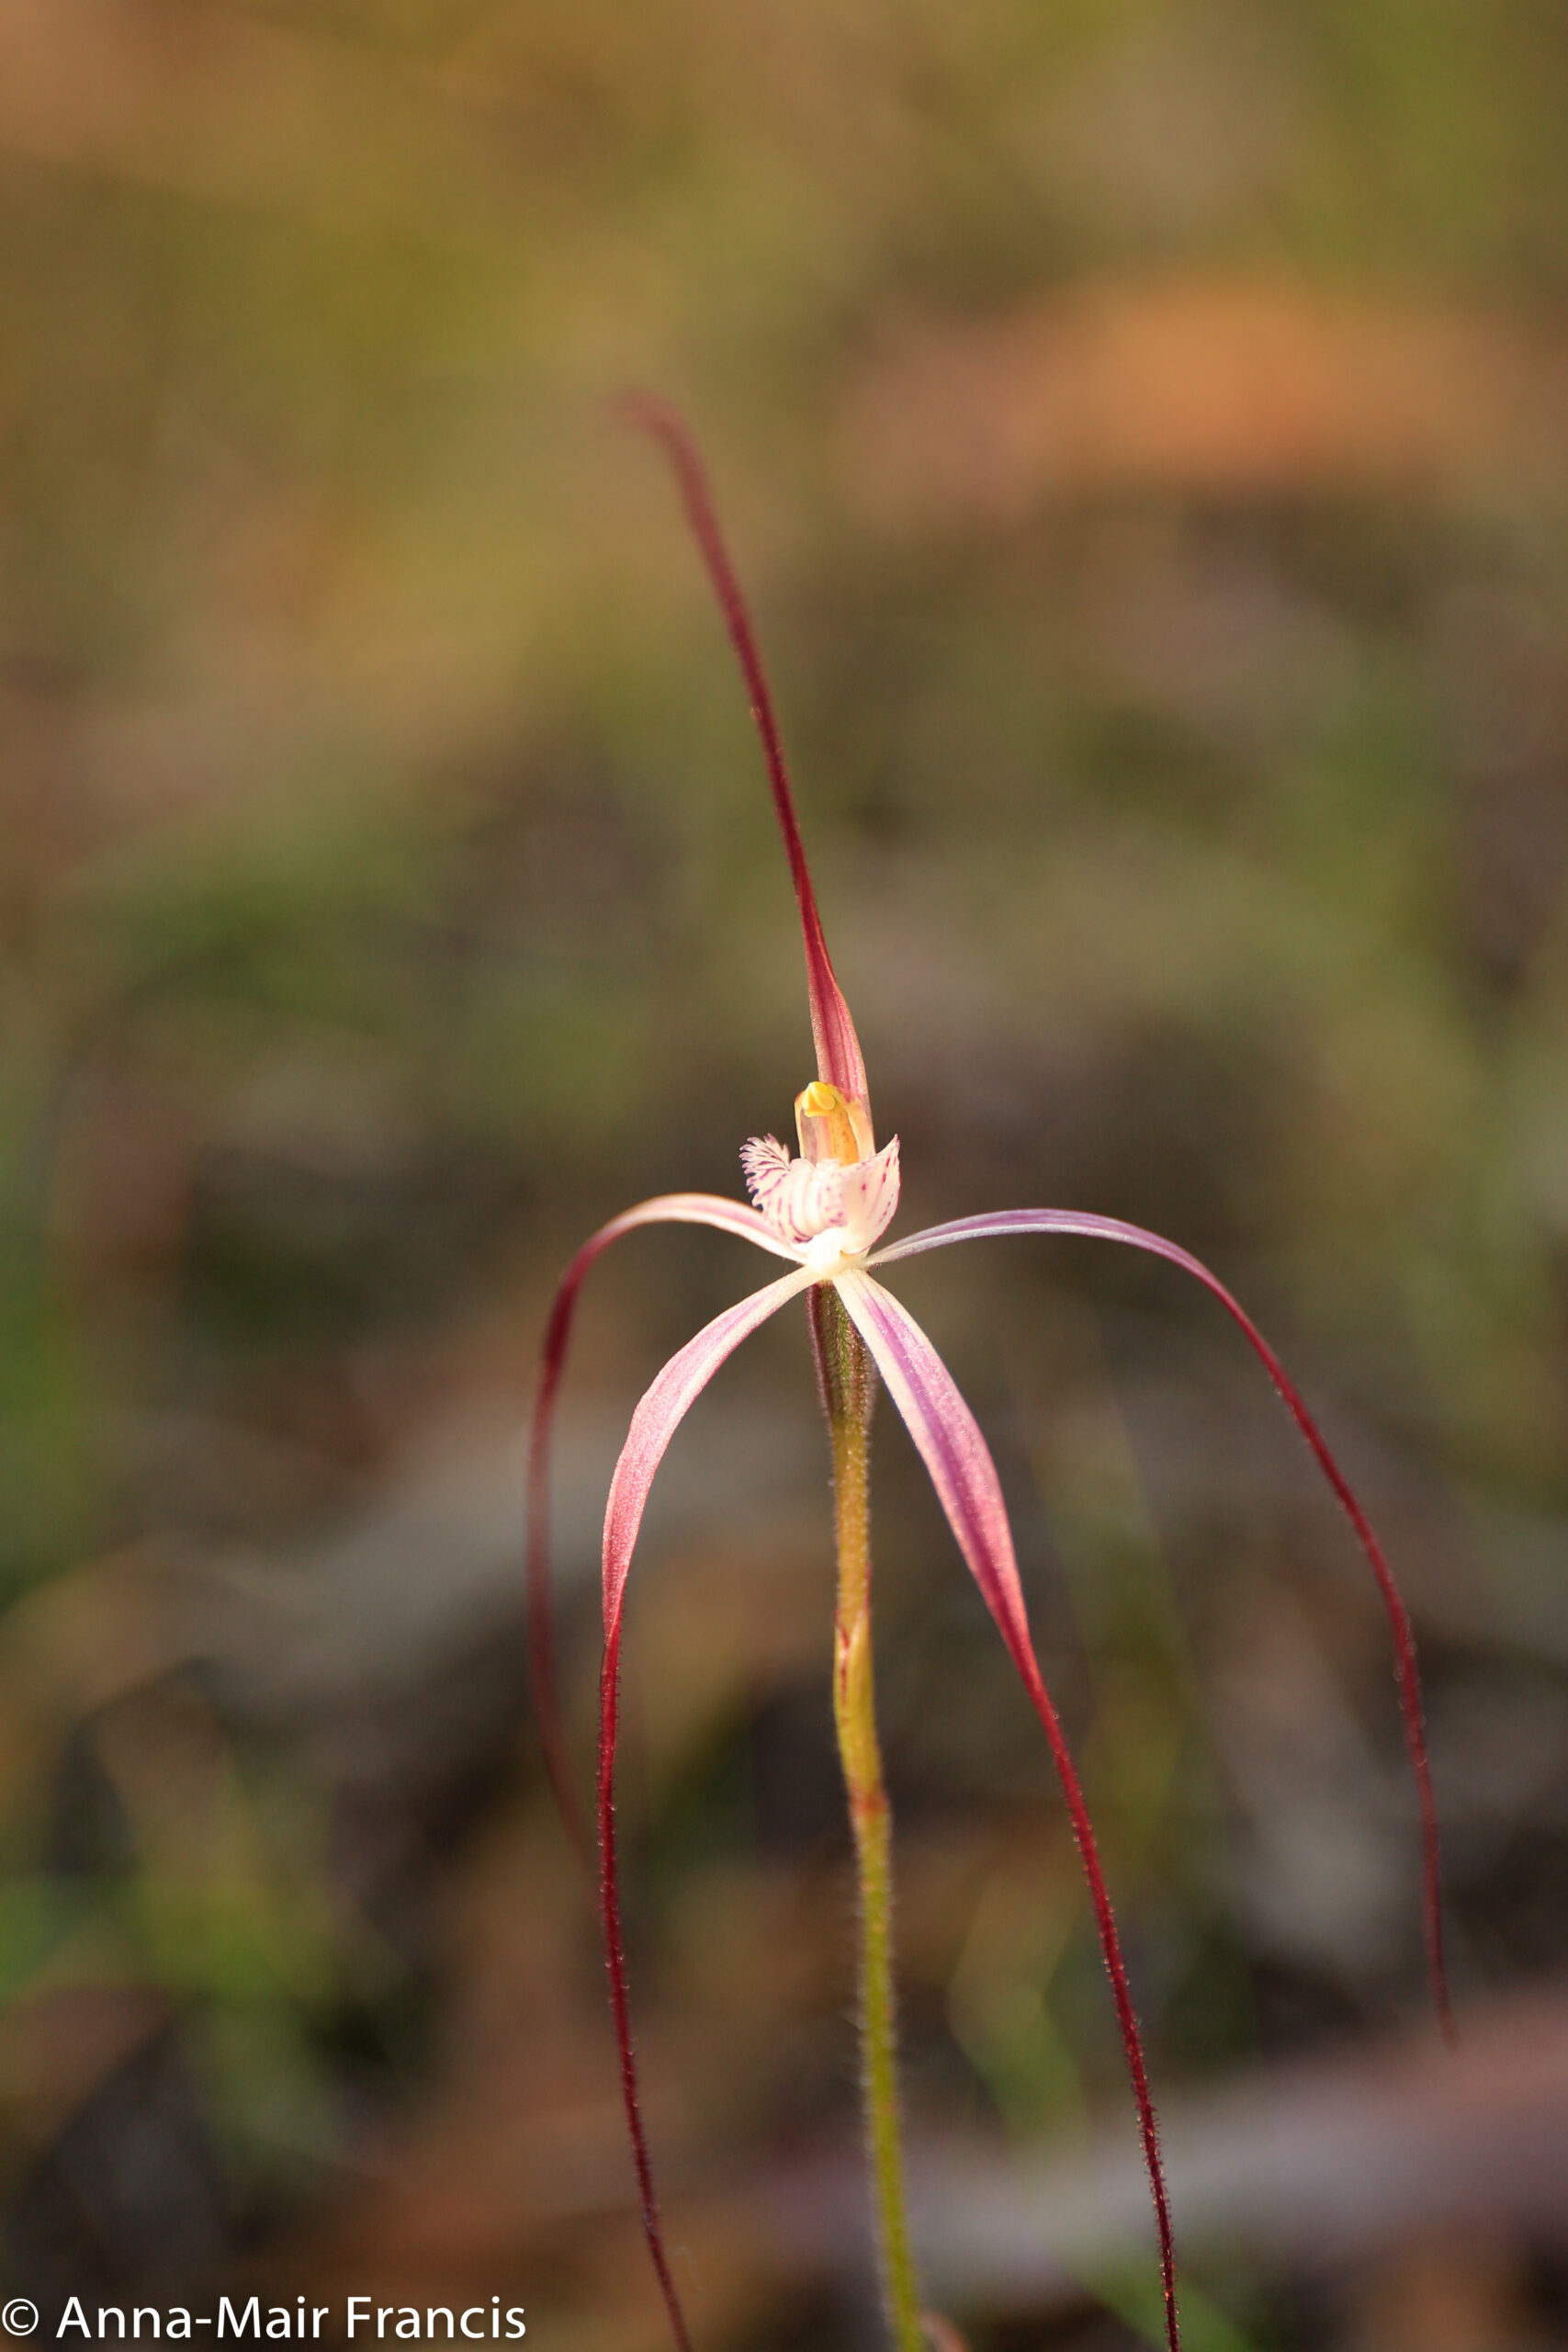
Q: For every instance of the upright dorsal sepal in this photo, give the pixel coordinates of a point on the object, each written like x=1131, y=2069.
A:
x=839, y=1060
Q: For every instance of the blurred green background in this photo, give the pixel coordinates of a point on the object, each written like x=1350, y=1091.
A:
x=1141, y=429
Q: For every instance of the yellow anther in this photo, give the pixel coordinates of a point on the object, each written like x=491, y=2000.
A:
x=831, y=1125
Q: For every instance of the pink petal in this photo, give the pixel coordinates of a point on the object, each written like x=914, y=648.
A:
x=949, y=1441
x=670, y=1208
x=1135, y=1236
x=659, y=1415
x=653, y=1425
x=838, y=1048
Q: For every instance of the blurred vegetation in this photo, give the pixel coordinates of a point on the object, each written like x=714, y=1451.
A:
x=1140, y=425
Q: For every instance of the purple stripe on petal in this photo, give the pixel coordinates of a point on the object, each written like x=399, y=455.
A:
x=670, y=1208
x=1408, y=1672
x=871, y=1196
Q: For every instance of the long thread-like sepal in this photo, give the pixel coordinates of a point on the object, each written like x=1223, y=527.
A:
x=544, y=1681
x=654, y=1423
x=1115, y=1969
x=839, y=1060
x=1407, y=1674
x=616, y=1963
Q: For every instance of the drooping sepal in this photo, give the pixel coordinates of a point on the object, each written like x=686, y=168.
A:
x=670, y=1208
x=1406, y=1669
x=661, y=1413
x=949, y=1442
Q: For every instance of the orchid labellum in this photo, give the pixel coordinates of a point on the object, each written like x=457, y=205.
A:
x=823, y=1210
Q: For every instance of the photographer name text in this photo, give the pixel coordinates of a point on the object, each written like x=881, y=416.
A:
x=249, y=2319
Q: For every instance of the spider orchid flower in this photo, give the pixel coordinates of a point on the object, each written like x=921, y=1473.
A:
x=823, y=1210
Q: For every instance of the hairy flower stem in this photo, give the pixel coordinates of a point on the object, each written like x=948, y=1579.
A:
x=848, y=1381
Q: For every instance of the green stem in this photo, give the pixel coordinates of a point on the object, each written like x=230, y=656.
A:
x=848, y=1381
